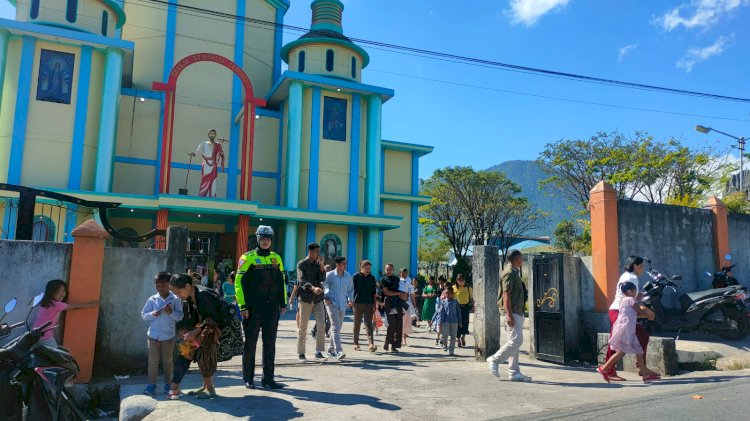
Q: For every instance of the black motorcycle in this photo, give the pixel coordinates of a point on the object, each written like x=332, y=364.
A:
x=723, y=278
x=719, y=311
x=34, y=377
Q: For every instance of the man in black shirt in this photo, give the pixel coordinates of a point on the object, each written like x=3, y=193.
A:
x=364, y=303
x=310, y=276
x=393, y=308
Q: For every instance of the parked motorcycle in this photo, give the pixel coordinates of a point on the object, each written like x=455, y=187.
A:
x=34, y=377
x=718, y=311
x=723, y=278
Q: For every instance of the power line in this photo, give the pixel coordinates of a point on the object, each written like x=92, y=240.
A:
x=466, y=59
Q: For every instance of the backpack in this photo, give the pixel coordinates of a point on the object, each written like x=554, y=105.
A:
x=223, y=310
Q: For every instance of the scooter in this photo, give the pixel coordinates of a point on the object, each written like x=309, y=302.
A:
x=718, y=311
x=722, y=278
x=34, y=377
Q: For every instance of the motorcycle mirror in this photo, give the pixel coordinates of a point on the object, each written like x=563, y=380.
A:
x=708, y=273
x=11, y=305
x=37, y=300
x=728, y=257
x=677, y=278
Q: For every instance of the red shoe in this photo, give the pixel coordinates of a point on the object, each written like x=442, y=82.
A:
x=604, y=374
x=650, y=378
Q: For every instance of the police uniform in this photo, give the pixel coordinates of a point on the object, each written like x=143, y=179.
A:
x=261, y=290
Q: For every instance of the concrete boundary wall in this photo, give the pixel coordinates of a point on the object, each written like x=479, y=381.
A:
x=739, y=246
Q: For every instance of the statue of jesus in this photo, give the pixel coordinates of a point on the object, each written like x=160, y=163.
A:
x=211, y=152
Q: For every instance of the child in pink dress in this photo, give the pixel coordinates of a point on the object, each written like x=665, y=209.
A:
x=623, y=339
x=50, y=308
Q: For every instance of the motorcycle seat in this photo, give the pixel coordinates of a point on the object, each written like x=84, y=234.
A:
x=688, y=299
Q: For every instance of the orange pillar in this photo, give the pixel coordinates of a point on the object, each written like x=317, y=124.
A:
x=721, y=229
x=604, y=244
x=162, y=222
x=84, y=286
x=243, y=230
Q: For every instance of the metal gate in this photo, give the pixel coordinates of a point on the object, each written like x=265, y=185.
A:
x=549, y=323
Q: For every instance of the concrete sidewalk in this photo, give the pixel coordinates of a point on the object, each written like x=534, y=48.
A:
x=421, y=382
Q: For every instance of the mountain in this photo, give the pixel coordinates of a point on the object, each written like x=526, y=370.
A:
x=528, y=174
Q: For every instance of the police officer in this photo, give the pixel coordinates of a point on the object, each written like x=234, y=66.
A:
x=261, y=294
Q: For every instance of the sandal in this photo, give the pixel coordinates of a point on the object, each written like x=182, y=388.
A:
x=357, y=348
x=373, y=348
x=206, y=395
x=196, y=392
x=604, y=374
x=651, y=377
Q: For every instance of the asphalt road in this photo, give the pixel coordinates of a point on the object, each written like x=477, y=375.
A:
x=706, y=401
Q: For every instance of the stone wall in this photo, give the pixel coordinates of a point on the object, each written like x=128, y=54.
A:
x=127, y=282
x=678, y=240
x=739, y=246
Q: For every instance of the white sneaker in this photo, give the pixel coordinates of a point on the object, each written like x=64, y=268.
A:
x=493, y=367
x=518, y=377
x=340, y=356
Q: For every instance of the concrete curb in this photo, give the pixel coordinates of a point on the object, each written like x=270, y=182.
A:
x=736, y=362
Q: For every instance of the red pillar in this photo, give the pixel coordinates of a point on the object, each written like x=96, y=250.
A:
x=605, y=248
x=243, y=231
x=84, y=286
x=162, y=222
x=721, y=229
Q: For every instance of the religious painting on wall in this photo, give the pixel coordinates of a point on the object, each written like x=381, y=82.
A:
x=334, y=119
x=55, y=76
x=330, y=249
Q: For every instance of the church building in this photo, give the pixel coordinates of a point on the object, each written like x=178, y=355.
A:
x=195, y=113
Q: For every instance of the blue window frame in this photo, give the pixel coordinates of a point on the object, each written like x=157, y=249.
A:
x=71, y=12
x=105, y=22
x=301, y=62
x=329, y=60
x=43, y=229
x=354, y=67
x=34, y=9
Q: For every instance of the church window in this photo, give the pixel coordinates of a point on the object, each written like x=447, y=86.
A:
x=105, y=22
x=301, y=61
x=354, y=67
x=71, y=12
x=329, y=60
x=34, y=9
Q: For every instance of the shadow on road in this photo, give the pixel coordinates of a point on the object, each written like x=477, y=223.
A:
x=600, y=385
x=339, y=399
x=249, y=407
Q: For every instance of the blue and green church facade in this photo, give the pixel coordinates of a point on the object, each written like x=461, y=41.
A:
x=105, y=99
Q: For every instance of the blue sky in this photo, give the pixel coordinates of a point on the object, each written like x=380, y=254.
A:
x=473, y=120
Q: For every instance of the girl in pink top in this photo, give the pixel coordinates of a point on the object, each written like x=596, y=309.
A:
x=50, y=308
x=624, y=339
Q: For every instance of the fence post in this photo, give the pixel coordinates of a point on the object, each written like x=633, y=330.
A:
x=84, y=285
x=721, y=229
x=605, y=248
x=486, y=279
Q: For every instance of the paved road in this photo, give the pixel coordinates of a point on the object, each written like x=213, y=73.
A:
x=423, y=383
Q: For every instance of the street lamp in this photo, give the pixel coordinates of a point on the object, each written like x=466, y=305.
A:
x=740, y=145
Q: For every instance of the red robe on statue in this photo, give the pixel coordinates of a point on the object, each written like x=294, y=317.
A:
x=211, y=153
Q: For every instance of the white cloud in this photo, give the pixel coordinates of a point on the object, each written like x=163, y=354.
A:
x=699, y=13
x=626, y=50
x=697, y=55
x=528, y=12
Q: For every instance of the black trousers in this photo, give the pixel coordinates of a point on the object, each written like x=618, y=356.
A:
x=395, y=332
x=267, y=321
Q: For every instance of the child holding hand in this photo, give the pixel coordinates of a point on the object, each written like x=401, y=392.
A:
x=450, y=320
x=51, y=306
x=623, y=339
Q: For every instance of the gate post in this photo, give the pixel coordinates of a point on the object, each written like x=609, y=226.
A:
x=84, y=285
x=177, y=245
x=486, y=276
x=605, y=249
x=721, y=229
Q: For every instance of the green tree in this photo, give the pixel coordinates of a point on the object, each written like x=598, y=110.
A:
x=565, y=235
x=736, y=202
x=431, y=252
x=442, y=215
x=574, y=236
